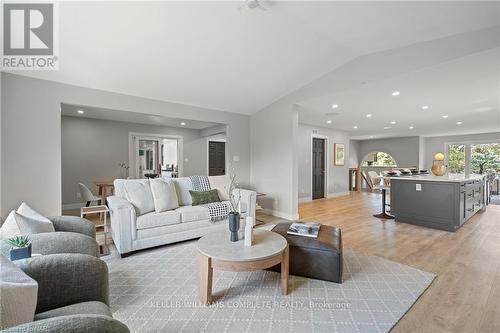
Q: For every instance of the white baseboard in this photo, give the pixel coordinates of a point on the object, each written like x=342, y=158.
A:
x=291, y=217
x=337, y=194
x=77, y=205
x=329, y=195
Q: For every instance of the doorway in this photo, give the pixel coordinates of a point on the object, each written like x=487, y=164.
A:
x=318, y=168
x=216, y=158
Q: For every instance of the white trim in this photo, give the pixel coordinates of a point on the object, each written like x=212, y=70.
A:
x=327, y=161
x=338, y=194
x=328, y=196
x=73, y=206
x=226, y=155
x=286, y=216
x=132, y=149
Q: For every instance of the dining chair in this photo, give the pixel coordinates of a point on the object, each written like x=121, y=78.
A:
x=88, y=196
x=375, y=179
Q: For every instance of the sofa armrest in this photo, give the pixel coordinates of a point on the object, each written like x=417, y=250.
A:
x=249, y=198
x=73, y=224
x=123, y=218
x=59, y=242
x=72, y=324
x=65, y=279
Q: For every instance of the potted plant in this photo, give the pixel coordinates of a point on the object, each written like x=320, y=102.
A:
x=21, y=247
x=235, y=203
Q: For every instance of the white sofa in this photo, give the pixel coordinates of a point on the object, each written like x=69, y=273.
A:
x=136, y=223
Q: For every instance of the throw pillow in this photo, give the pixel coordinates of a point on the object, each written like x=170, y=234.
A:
x=138, y=192
x=221, y=184
x=27, y=211
x=164, y=195
x=9, y=228
x=19, y=295
x=204, y=197
x=30, y=226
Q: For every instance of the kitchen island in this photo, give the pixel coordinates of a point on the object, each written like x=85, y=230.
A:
x=439, y=202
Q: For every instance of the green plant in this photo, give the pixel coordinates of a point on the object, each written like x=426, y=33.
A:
x=19, y=241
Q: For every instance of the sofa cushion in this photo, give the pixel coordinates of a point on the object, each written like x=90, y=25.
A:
x=138, y=193
x=193, y=213
x=153, y=219
x=164, y=194
x=221, y=184
x=18, y=295
x=204, y=197
x=9, y=227
x=84, y=308
x=182, y=186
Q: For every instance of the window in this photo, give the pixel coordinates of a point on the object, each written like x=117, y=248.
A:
x=456, y=158
x=379, y=159
x=485, y=157
x=476, y=158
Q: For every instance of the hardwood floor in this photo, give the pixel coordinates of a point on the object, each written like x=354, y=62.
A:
x=465, y=296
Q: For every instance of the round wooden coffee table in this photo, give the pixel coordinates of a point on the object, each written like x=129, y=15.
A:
x=216, y=251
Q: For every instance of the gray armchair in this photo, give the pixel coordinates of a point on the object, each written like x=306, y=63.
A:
x=73, y=235
x=73, y=295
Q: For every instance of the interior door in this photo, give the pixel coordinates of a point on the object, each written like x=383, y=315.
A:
x=147, y=157
x=216, y=158
x=318, y=168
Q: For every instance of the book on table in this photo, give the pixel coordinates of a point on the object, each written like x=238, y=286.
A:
x=309, y=229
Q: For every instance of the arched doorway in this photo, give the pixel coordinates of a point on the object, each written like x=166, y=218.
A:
x=373, y=166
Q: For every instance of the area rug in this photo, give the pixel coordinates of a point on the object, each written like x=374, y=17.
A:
x=156, y=291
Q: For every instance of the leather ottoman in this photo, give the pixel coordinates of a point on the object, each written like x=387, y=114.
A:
x=317, y=258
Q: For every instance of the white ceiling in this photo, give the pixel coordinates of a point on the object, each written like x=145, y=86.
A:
x=467, y=90
x=210, y=54
x=131, y=117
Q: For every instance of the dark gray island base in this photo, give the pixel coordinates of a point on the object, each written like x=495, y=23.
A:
x=443, y=203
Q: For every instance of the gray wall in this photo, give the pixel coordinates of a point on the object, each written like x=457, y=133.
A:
x=433, y=145
x=337, y=176
x=31, y=135
x=405, y=150
x=91, y=150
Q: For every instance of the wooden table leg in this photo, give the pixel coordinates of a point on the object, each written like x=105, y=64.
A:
x=205, y=274
x=284, y=271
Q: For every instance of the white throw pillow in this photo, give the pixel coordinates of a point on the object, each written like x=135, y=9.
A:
x=182, y=187
x=19, y=295
x=164, y=195
x=27, y=211
x=221, y=184
x=30, y=226
x=138, y=193
x=9, y=228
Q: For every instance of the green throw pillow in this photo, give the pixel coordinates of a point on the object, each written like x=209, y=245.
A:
x=204, y=197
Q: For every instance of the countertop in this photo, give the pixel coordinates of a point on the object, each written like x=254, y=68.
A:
x=458, y=178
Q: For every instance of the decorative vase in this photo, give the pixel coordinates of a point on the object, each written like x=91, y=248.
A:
x=438, y=168
x=234, y=225
x=20, y=253
x=249, y=231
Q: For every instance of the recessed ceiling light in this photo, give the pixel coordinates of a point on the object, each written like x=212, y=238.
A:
x=369, y=115
x=183, y=124
x=396, y=93
x=411, y=127
x=328, y=121
x=393, y=122
x=371, y=136
x=355, y=127
x=80, y=112
x=445, y=116
x=334, y=106
x=425, y=107
x=459, y=123
x=387, y=127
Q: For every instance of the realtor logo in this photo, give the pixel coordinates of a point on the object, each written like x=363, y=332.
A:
x=29, y=33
